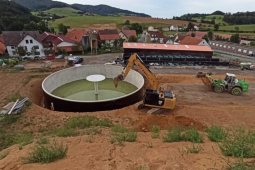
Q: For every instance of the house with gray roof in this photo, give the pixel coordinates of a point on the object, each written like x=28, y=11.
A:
x=20, y=43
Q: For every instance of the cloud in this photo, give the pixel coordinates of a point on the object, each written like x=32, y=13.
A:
x=169, y=8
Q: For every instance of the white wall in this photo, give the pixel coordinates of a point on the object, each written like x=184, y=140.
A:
x=29, y=46
x=203, y=43
x=11, y=50
x=66, y=44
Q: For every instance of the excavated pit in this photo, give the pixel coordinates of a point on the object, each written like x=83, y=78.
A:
x=67, y=90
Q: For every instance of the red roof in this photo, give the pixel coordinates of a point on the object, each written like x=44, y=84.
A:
x=76, y=34
x=2, y=48
x=129, y=33
x=188, y=40
x=55, y=39
x=108, y=34
x=198, y=34
x=167, y=47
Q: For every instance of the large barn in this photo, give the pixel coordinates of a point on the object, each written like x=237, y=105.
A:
x=165, y=54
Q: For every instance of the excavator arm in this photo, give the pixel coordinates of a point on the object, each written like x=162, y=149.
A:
x=134, y=59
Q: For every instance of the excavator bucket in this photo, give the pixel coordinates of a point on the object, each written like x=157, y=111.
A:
x=201, y=74
x=117, y=79
x=206, y=78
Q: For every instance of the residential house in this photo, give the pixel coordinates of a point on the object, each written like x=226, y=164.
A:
x=157, y=37
x=23, y=43
x=90, y=41
x=188, y=40
x=55, y=43
x=224, y=37
x=151, y=28
x=196, y=28
x=108, y=36
x=198, y=34
x=165, y=29
x=126, y=34
x=174, y=28
x=76, y=34
x=145, y=37
x=245, y=42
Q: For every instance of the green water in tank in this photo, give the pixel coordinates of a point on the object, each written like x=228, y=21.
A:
x=83, y=90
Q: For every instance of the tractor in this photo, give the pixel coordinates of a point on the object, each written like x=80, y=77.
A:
x=230, y=84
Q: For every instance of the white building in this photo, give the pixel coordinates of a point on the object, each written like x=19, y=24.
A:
x=23, y=43
x=174, y=28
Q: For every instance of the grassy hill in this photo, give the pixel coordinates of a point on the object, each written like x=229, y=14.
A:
x=84, y=21
x=67, y=11
x=14, y=16
x=74, y=18
x=218, y=19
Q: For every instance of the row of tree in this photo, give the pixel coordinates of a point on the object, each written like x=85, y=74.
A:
x=240, y=18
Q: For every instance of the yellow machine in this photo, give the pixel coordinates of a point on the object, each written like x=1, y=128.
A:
x=154, y=97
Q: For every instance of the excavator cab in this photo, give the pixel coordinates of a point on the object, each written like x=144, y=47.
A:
x=162, y=99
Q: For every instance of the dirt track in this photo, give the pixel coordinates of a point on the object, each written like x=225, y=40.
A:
x=197, y=107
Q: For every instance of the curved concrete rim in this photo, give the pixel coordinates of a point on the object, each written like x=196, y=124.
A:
x=98, y=101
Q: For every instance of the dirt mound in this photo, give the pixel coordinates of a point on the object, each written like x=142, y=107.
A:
x=33, y=90
x=166, y=122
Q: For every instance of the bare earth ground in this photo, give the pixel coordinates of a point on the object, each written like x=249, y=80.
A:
x=197, y=107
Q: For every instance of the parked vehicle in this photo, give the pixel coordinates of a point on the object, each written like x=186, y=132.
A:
x=60, y=56
x=72, y=60
x=247, y=66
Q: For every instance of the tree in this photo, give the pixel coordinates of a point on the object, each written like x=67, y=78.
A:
x=206, y=38
x=193, y=34
x=235, y=38
x=127, y=22
x=190, y=26
x=210, y=35
x=137, y=27
x=63, y=28
x=216, y=27
x=132, y=39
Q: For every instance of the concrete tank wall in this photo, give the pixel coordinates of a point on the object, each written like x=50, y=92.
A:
x=62, y=77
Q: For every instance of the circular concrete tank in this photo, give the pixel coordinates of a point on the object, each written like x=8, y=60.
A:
x=73, y=74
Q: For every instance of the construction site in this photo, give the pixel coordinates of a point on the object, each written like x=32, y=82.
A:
x=147, y=102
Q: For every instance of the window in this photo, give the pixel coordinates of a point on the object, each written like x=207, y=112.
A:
x=31, y=41
x=27, y=42
x=12, y=47
x=36, y=47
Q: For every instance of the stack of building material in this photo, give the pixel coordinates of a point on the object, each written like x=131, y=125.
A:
x=14, y=107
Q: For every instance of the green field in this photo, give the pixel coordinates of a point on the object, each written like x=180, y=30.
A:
x=250, y=27
x=63, y=11
x=83, y=21
x=218, y=19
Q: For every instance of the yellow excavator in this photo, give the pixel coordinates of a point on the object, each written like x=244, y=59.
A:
x=155, y=96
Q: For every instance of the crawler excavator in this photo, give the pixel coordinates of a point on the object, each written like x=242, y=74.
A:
x=155, y=96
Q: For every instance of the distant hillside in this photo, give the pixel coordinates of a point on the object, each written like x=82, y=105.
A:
x=219, y=17
x=40, y=4
x=14, y=16
x=98, y=9
x=106, y=10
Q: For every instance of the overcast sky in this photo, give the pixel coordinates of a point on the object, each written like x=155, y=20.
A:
x=170, y=8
